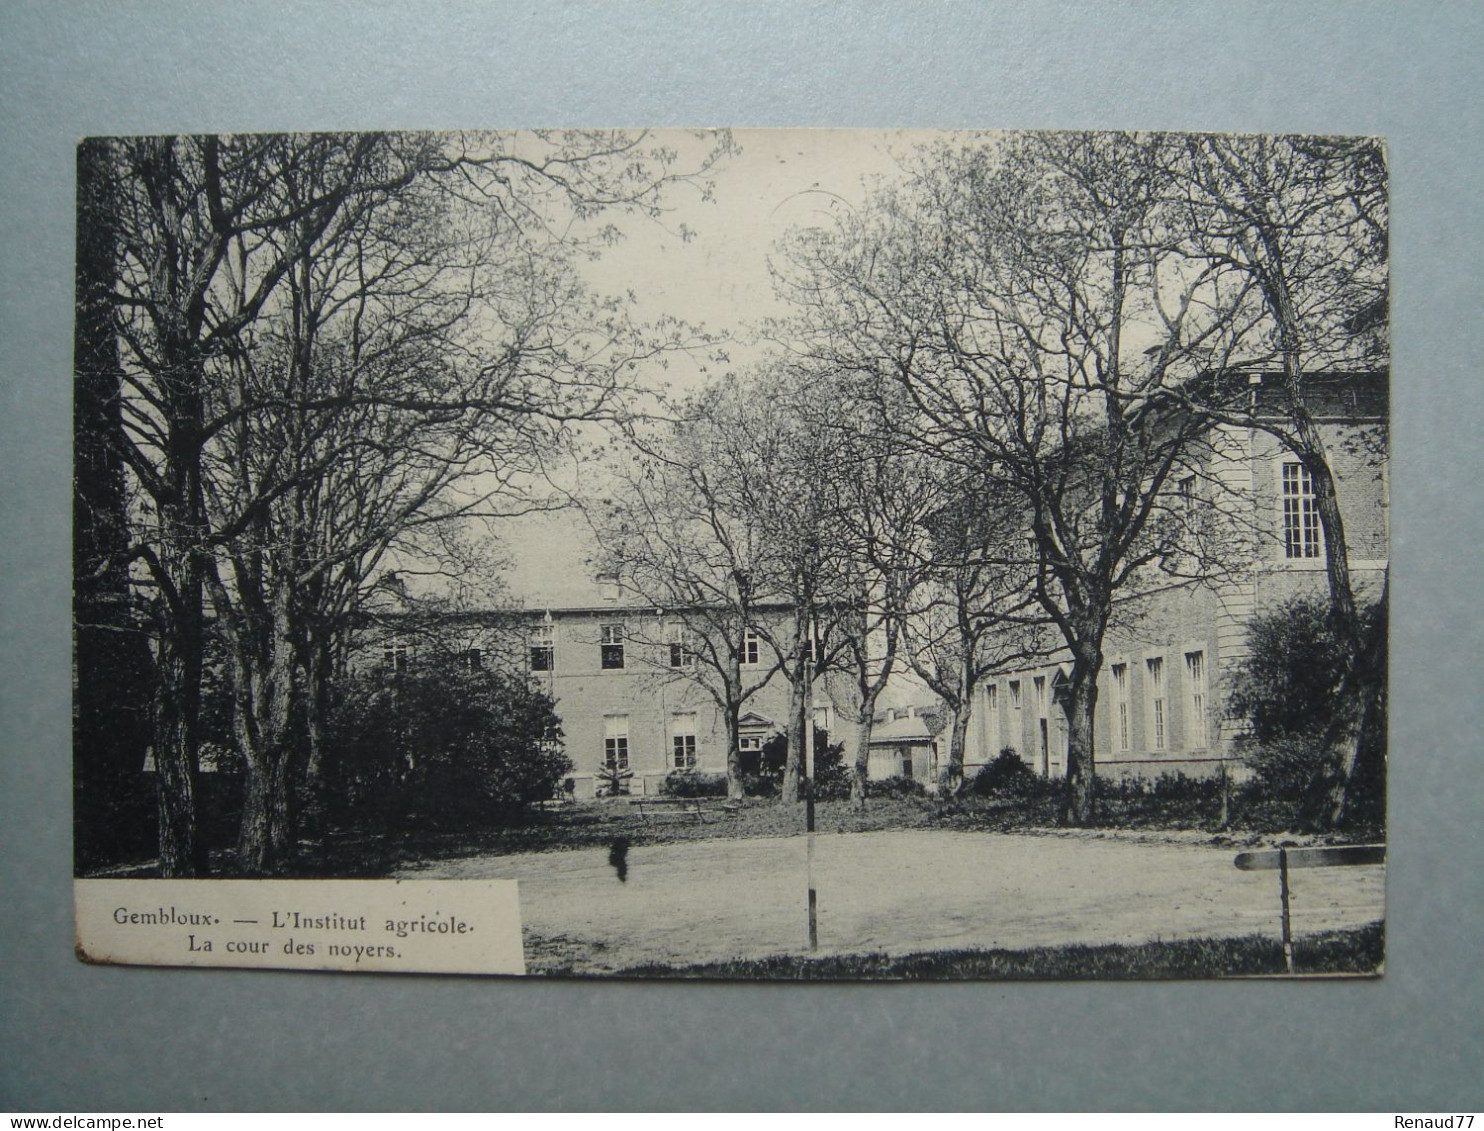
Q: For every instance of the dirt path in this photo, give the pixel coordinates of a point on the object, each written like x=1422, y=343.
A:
x=900, y=892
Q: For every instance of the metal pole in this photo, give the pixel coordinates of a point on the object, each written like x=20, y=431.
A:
x=808, y=708
x=1283, y=889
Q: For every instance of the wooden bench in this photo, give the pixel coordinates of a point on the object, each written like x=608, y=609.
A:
x=651, y=808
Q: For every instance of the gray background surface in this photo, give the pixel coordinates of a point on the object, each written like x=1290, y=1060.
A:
x=79, y=1038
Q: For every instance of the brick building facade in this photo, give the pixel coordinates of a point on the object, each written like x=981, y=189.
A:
x=1169, y=654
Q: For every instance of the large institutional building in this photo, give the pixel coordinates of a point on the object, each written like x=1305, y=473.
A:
x=1169, y=654
x=633, y=700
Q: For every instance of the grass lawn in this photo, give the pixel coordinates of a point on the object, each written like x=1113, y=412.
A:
x=1350, y=952
x=904, y=892
x=597, y=824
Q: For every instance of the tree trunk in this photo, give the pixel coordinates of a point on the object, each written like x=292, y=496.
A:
x=182, y=854
x=951, y=772
x=111, y=659
x=799, y=713
x=735, y=792
x=1079, y=803
x=265, y=840
x=316, y=711
x=861, y=772
x=793, y=759
x=1356, y=742
x=263, y=675
x=1336, y=555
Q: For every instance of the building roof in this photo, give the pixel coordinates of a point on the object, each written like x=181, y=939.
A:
x=916, y=728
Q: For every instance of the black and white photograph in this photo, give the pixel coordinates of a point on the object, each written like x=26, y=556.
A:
x=784, y=554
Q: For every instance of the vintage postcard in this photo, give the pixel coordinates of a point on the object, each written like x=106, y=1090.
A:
x=754, y=554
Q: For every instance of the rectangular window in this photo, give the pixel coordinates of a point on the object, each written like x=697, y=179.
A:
x=612, y=647
x=683, y=741
x=1015, y=695
x=1156, y=666
x=751, y=647
x=1300, y=513
x=608, y=586
x=822, y=719
x=991, y=720
x=750, y=743
x=1040, y=685
x=1185, y=489
x=1195, y=682
x=471, y=659
x=1120, y=703
x=394, y=655
x=616, y=742
x=543, y=648
x=682, y=647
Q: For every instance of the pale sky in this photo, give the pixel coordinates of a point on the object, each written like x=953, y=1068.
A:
x=781, y=179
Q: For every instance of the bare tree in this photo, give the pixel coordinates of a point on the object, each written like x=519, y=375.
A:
x=881, y=492
x=974, y=610
x=671, y=528
x=219, y=238
x=1305, y=219
x=1035, y=301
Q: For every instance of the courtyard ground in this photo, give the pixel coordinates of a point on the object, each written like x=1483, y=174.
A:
x=899, y=891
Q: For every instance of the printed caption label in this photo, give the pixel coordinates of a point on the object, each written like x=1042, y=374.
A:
x=408, y=926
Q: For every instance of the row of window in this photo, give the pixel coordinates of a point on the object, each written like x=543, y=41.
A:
x=682, y=741
x=612, y=643
x=1156, y=704
x=1156, y=710
x=680, y=648
x=395, y=654
x=1302, y=534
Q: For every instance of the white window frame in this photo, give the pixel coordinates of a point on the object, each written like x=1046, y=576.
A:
x=1303, y=536
x=1159, y=718
x=543, y=639
x=616, y=742
x=752, y=648
x=991, y=720
x=1185, y=491
x=683, y=740
x=1197, y=726
x=681, y=643
x=1121, y=729
x=396, y=654
x=611, y=635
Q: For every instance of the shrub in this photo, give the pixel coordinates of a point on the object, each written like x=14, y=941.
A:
x=760, y=785
x=1286, y=765
x=762, y=773
x=897, y=785
x=1286, y=691
x=441, y=748
x=1008, y=773
x=1293, y=668
x=690, y=783
x=612, y=782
